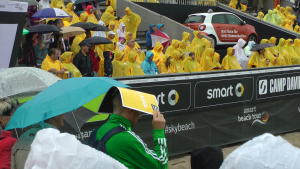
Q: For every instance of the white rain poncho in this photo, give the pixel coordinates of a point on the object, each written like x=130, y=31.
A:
x=248, y=53
x=54, y=150
x=240, y=54
x=120, y=31
x=44, y=4
x=100, y=33
x=264, y=152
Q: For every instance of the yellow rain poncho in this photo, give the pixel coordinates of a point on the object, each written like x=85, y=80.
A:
x=108, y=16
x=136, y=47
x=269, y=17
x=75, y=45
x=207, y=46
x=158, y=54
x=293, y=55
x=66, y=58
x=91, y=17
x=260, y=15
x=287, y=11
x=282, y=50
x=293, y=18
x=176, y=63
x=274, y=50
x=289, y=25
x=277, y=18
x=118, y=64
x=112, y=23
x=101, y=63
x=182, y=47
x=191, y=65
x=208, y=64
x=297, y=46
x=257, y=60
x=283, y=23
x=198, y=50
x=268, y=54
x=281, y=12
x=163, y=69
x=131, y=21
x=58, y=4
x=131, y=67
x=112, y=3
x=113, y=47
x=127, y=50
x=216, y=59
x=67, y=22
x=170, y=50
x=196, y=41
x=296, y=29
x=83, y=17
x=71, y=12
x=48, y=64
x=229, y=61
x=186, y=37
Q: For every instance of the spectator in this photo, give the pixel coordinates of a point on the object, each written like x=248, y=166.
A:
x=208, y=63
x=175, y=62
x=141, y=54
x=70, y=11
x=283, y=23
x=32, y=10
x=152, y=29
x=284, y=52
x=216, y=59
x=100, y=33
x=112, y=3
x=269, y=17
x=131, y=67
x=130, y=47
x=165, y=67
x=240, y=54
x=281, y=12
x=257, y=60
x=186, y=37
x=287, y=12
x=112, y=27
x=158, y=53
x=28, y=51
x=101, y=63
x=293, y=55
x=22, y=147
x=44, y=4
x=121, y=44
x=277, y=18
x=132, y=151
x=197, y=39
x=160, y=27
x=58, y=4
x=268, y=63
x=67, y=60
x=7, y=108
x=268, y=54
x=274, y=50
x=132, y=22
x=83, y=17
x=191, y=65
x=108, y=67
x=260, y=15
x=297, y=45
x=183, y=47
x=108, y=16
x=40, y=50
x=110, y=47
x=97, y=11
x=296, y=23
x=52, y=64
x=83, y=60
x=206, y=157
x=229, y=61
x=91, y=17
x=58, y=44
x=75, y=45
x=67, y=21
x=149, y=67
x=95, y=59
x=121, y=31
x=118, y=64
x=173, y=47
x=208, y=45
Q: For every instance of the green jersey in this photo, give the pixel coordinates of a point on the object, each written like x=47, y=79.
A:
x=130, y=150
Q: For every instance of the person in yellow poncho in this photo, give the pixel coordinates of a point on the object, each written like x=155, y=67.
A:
x=197, y=39
x=268, y=54
x=198, y=50
x=208, y=64
x=58, y=4
x=296, y=46
x=176, y=63
x=101, y=63
x=289, y=25
x=260, y=15
x=75, y=45
x=112, y=26
x=293, y=18
x=191, y=65
x=183, y=47
x=186, y=37
x=277, y=8
x=83, y=17
x=165, y=67
x=141, y=54
x=108, y=15
x=91, y=17
x=296, y=29
x=216, y=60
x=52, y=64
x=112, y=46
x=277, y=18
x=283, y=23
x=130, y=47
x=274, y=50
x=112, y=3
x=67, y=60
x=257, y=59
x=293, y=55
x=287, y=11
x=208, y=45
x=281, y=12
x=67, y=21
x=269, y=17
x=230, y=62
x=131, y=67
x=118, y=64
x=173, y=47
x=282, y=50
x=158, y=54
x=131, y=21
x=70, y=11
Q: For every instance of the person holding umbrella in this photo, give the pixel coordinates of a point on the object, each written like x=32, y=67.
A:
x=70, y=11
x=257, y=59
x=83, y=60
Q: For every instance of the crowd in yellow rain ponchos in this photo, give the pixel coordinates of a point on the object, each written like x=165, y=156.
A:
x=57, y=4
x=233, y=4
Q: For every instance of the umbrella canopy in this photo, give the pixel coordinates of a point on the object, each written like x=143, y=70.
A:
x=23, y=82
x=51, y=13
x=85, y=25
x=161, y=37
x=98, y=40
x=261, y=46
x=61, y=97
x=30, y=2
x=25, y=32
x=41, y=28
x=100, y=28
x=82, y=1
x=71, y=31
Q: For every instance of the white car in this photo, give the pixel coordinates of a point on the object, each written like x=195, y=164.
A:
x=224, y=27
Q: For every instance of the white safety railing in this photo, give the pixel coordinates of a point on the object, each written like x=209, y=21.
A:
x=65, y=75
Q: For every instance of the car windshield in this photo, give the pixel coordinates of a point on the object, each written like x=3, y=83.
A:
x=195, y=19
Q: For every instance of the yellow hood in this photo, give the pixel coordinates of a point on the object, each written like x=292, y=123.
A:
x=186, y=36
x=264, y=41
x=216, y=56
x=66, y=57
x=83, y=16
x=260, y=15
x=297, y=42
x=182, y=44
x=109, y=9
x=287, y=42
x=82, y=36
x=176, y=55
x=278, y=7
x=69, y=7
x=283, y=22
x=281, y=42
x=203, y=42
x=210, y=52
x=132, y=57
x=67, y=19
x=158, y=46
x=175, y=43
x=296, y=29
x=273, y=40
x=129, y=11
x=229, y=51
x=196, y=33
x=111, y=23
x=118, y=55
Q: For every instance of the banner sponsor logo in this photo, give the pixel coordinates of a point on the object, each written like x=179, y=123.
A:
x=261, y=118
x=179, y=127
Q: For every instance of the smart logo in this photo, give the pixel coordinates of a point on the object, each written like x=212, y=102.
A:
x=263, y=87
x=225, y=92
x=173, y=97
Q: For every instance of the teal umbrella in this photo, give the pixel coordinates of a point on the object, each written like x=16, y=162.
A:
x=25, y=32
x=61, y=97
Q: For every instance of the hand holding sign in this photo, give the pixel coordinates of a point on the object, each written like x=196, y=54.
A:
x=158, y=121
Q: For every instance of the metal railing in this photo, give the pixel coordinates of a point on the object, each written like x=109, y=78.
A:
x=65, y=75
x=180, y=2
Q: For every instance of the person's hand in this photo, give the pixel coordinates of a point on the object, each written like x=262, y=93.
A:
x=42, y=46
x=139, y=50
x=158, y=121
x=62, y=71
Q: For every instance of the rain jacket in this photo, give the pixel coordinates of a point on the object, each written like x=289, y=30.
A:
x=183, y=48
x=158, y=54
x=191, y=65
x=248, y=53
x=282, y=50
x=216, y=59
x=100, y=33
x=229, y=61
x=132, y=22
x=131, y=67
x=239, y=53
x=58, y=4
x=141, y=55
x=260, y=15
x=296, y=29
x=71, y=12
x=127, y=50
x=6, y=144
x=163, y=69
x=176, y=63
x=118, y=65
x=112, y=23
x=148, y=36
x=283, y=23
x=268, y=54
x=108, y=15
x=297, y=46
x=131, y=150
x=186, y=37
x=287, y=11
x=196, y=41
x=66, y=61
x=207, y=46
x=120, y=31
x=112, y=3
x=48, y=63
x=110, y=47
x=281, y=12
x=91, y=17
x=149, y=67
x=257, y=60
x=198, y=50
x=173, y=47
x=158, y=26
x=101, y=63
x=289, y=25
x=293, y=55
x=208, y=64
x=276, y=17
x=83, y=16
x=75, y=45
x=84, y=64
x=269, y=17
x=274, y=50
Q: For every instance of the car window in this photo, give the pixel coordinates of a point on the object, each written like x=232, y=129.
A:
x=218, y=19
x=195, y=19
x=233, y=20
